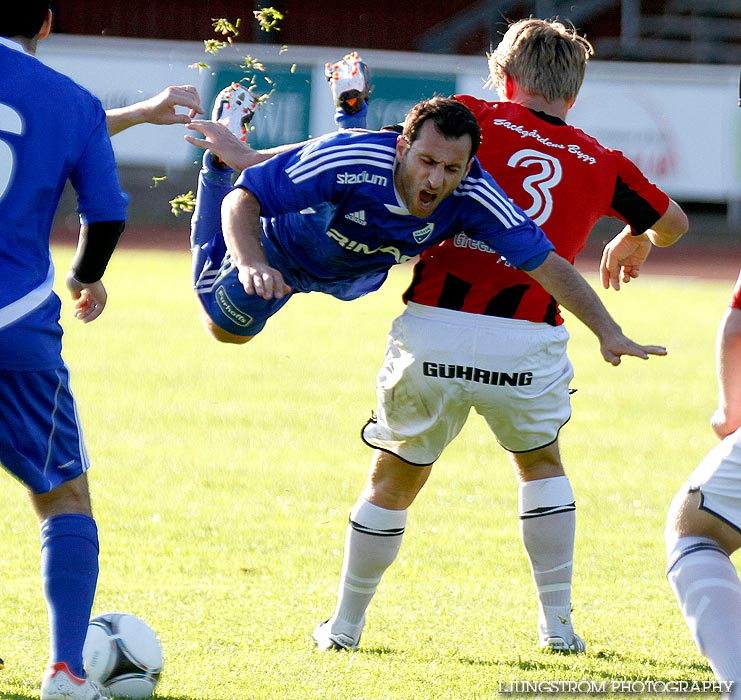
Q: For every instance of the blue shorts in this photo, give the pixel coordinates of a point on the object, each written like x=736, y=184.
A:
x=40, y=437
x=229, y=306
x=215, y=279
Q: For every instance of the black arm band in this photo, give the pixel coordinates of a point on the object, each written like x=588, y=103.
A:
x=633, y=232
x=94, y=249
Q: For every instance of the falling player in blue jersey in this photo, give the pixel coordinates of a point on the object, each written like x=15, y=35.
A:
x=334, y=214
x=40, y=438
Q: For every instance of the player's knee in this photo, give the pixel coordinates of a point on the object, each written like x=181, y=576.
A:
x=394, y=483
x=222, y=336
x=69, y=497
x=682, y=520
x=538, y=464
x=687, y=518
x=675, y=517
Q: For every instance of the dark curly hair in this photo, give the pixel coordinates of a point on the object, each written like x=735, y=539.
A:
x=452, y=119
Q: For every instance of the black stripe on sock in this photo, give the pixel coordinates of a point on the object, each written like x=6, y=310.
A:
x=547, y=510
x=699, y=547
x=395, y=532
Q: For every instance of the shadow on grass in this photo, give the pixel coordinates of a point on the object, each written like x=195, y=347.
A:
x=554, y=661
x=378, y=651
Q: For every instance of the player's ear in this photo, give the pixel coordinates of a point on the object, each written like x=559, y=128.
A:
x=402, y=146
x=46, y=26
x=510, y=86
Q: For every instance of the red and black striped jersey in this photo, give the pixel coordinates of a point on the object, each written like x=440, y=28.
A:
x=565, y=180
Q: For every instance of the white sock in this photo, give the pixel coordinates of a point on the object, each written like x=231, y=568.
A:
x=708, y=590
x=372, y=542
x=547, y=527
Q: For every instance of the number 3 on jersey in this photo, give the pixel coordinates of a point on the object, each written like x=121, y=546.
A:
x=539, y=184
x=10, y=122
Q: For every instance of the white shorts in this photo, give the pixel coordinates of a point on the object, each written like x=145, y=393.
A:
x=718, y=479
x=440, y=364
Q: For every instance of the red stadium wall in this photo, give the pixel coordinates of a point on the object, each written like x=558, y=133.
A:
x=381, y=24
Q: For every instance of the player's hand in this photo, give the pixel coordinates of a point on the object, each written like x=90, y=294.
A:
x=263, y=280
x=90, y=299
x=160, y=109
x=622, y=258
x=237, y=154
x=615, y=347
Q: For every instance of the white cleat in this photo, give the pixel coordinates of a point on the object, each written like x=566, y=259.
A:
x=349, y=81
x=326, y=640
x=234, y=107
x=556, y=633
x=61, y=684
x=562, y=646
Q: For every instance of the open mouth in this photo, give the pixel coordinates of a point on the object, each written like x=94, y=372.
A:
x=426, y=198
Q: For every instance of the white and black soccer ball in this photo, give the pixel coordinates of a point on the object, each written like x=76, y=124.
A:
x=123, y=654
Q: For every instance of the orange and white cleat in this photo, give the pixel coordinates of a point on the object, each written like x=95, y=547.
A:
x=234, y=107
x=349, y=81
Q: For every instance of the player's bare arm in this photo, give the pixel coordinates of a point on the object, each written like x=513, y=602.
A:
x=571, y=290
x=160, y=109
x=727, y=417
x=670, y=227
x=224, y=144
x=623, y=255
x=218, y=139
x=240, y=219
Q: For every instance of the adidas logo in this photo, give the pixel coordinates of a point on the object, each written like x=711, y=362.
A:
x=358, y=217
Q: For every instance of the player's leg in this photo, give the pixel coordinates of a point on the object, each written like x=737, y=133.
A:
x=526, y=419
x=703, y=530
x=349, y=82
x=415, y=420
x=372, y=542
x=207, y=245
x=206, y=239
x=547, y=513
x=234, y=107
x=69, y=568
x=41, y=444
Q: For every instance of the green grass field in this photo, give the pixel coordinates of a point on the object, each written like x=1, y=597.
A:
x=223, y=477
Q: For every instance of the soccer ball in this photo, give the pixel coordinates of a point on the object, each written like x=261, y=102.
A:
x=123, y=654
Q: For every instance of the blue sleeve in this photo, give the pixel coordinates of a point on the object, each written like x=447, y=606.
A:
x=95, y=176
x=534, y=262
x=288, y=182
x=494, y=219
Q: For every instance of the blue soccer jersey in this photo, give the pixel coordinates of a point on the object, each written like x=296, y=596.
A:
x=332, y=220
x=51, y=130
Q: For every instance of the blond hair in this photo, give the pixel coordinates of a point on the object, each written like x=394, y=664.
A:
x=543, y=57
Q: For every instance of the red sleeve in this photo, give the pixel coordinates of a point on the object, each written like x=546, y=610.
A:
x=636, y=200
